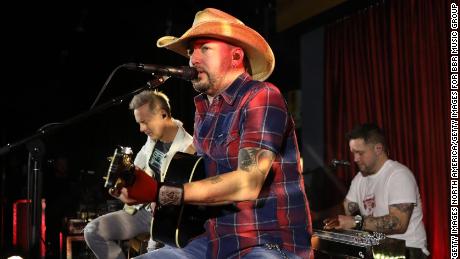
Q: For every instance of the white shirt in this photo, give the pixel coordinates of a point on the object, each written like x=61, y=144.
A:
x=181, y=142
x=394, y=183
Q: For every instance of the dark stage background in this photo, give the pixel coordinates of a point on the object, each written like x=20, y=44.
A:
x=57, y=56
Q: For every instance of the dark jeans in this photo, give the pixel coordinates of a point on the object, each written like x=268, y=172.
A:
x=415, y=253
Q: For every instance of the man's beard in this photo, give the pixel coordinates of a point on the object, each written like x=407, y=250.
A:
x=367, y=170
x=203, y=85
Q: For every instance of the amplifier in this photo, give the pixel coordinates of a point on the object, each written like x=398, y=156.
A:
x=75, y=226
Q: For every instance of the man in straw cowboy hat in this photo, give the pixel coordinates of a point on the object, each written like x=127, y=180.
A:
x=246, y=137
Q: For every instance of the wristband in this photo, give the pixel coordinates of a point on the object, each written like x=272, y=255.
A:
x=170, y=194
x=358, y=222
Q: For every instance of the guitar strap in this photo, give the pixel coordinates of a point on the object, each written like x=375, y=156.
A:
x=157, y=158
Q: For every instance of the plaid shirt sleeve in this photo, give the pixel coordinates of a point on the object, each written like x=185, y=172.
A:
x=264, y=119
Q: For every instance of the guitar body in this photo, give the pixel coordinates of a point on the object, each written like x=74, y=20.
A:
x=176, y=225
x=172, y=225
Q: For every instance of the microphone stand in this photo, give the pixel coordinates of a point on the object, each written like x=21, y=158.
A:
x=36, y=149
x=329, y=170
x=152, y=84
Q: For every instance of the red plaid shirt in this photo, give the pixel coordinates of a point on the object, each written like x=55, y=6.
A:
x=254, y=114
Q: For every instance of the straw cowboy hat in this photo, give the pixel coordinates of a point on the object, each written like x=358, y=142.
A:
x=213, y=23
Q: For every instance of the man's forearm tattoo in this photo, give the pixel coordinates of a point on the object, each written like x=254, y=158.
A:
x=394, y=222
x=255, y=158
x=215, y=179
x=405, y=208
x=353, y=207
x=384, y=224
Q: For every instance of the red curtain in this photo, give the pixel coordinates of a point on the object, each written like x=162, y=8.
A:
x=389, y=64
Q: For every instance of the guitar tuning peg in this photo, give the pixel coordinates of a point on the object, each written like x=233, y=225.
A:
x=110, y=158
x=105, y=178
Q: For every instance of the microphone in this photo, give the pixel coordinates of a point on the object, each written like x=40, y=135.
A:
x=182, y=72
x=335, y=162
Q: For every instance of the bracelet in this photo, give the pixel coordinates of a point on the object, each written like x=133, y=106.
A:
x=170, y=194
x=359, y=222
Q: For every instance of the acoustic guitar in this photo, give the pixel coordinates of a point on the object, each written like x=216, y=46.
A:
x=172, y=225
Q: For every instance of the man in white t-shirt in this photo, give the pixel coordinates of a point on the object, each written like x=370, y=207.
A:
x=383, y=196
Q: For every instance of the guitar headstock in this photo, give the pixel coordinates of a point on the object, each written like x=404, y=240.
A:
x=120, y=172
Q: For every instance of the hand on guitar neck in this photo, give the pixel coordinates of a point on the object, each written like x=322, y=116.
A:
x=143, y=190
x=133, y=186
x=127, y=182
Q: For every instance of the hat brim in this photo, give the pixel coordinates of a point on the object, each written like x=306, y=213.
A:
x=257, y=50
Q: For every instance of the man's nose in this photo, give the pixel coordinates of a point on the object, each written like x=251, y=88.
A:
x=194, y=58
x=356, y=158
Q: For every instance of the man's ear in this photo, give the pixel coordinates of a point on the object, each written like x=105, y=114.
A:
x=162, y=113
x=238, y=55
x=378, y=148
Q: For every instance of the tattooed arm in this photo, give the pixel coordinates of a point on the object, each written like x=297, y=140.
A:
x=242, y=184
x=346, y=221
x=396, y=222
x=351, y=208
